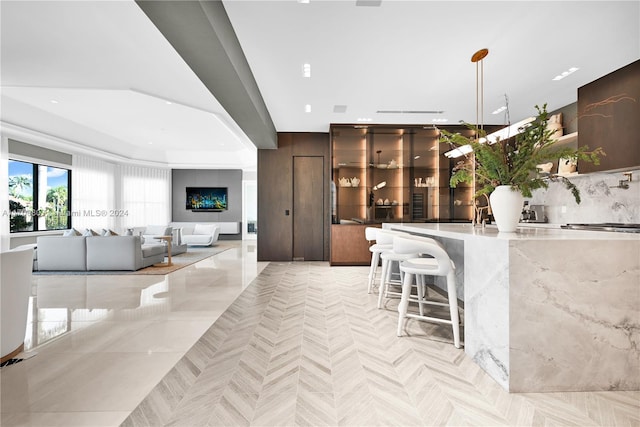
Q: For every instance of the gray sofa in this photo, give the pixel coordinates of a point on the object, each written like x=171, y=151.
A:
x=96, y=253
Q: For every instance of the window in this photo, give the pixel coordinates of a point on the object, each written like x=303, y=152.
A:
x=146, y=195
x=39, y=197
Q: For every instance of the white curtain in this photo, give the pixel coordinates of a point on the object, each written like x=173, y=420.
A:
x=145, y=194
x=93, y=202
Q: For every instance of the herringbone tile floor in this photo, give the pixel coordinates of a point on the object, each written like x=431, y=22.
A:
x=305, y=345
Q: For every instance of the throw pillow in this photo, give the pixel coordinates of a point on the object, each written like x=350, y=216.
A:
x=89, y=232
x=71, y=232
x=108, y=232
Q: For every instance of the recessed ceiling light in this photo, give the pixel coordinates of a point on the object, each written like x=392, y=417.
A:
x=440, y=120
x=304, y=1
x=307, y=108
x=364, y=119
x=565, y=73
x=53, y=101
x=416, y=157
x=168, y=102
x=306, y=70
x=150, y=143
x=499, y=110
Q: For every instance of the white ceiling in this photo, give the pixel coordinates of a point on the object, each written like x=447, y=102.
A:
x=112, y=73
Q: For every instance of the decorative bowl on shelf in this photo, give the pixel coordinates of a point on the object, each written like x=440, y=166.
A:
x=382, y=166
x=387, y=202
x=379, y=202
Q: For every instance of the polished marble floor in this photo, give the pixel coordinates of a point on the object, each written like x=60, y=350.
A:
x=102, y=342
x=230, y=341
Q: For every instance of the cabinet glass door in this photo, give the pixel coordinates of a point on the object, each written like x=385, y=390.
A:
x=349, y=175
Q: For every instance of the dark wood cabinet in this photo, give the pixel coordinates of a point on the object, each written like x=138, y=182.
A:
x=609, y=117
x=349, y=245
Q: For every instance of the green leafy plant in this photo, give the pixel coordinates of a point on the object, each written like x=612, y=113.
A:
x=514, y=161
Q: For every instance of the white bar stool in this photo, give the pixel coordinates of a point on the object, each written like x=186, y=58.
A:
x=439, y=265
x=389, y=259
x=383, y=242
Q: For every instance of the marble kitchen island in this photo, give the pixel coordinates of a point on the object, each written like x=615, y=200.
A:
x=547, y=309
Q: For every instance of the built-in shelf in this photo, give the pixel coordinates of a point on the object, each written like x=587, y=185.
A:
x=568, y=140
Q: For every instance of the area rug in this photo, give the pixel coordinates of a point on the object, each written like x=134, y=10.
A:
x=193, y=255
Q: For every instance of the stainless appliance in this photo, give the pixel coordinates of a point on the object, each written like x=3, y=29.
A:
x=533, y=213
x=605, y=226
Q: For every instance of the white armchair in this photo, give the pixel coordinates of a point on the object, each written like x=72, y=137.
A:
x=202, y=235
x=15, y=290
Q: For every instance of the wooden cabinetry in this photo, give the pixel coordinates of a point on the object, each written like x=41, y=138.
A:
x=349, y=245
x=384, y=173
x=608, y=111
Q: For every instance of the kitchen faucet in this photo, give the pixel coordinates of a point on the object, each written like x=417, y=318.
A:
x=624, y=183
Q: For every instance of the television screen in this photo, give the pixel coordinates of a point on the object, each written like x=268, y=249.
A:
x=210, y=199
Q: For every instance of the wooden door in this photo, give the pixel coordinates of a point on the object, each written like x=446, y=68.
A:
x=308, y=208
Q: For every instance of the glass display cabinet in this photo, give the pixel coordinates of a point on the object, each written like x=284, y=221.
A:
x=385, y=173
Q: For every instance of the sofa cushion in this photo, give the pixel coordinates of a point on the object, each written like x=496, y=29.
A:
x=158, y=230
x=151, y=250
x=196, y=239
x=114, y=253
x=61, y=253
x=207, y=229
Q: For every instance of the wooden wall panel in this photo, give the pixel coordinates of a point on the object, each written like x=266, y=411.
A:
x=275, y=193
x=274, y=200
x=308, y=208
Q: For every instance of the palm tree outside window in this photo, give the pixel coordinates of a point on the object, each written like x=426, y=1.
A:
x=38, y=197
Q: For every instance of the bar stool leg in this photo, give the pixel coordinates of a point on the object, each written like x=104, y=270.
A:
x=375, y=258
x=382, y=289
x=453, y=307
x=404, y=301
x=420, y=292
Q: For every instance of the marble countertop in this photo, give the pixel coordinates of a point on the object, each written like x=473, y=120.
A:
x=525, y=232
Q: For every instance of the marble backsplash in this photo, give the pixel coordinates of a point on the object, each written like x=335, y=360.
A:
x=601, y=201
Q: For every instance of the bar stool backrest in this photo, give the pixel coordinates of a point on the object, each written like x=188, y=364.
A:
x=370, y=233
x=385, y=237
x=424, y=246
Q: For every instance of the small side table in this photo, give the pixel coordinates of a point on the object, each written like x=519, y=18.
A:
x=168, y=240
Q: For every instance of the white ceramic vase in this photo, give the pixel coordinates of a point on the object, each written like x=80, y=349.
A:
x=506, y=205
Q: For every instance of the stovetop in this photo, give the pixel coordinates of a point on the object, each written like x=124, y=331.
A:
x=605, y=226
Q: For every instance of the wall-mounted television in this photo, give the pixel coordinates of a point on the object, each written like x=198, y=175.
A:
x=207, y=199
